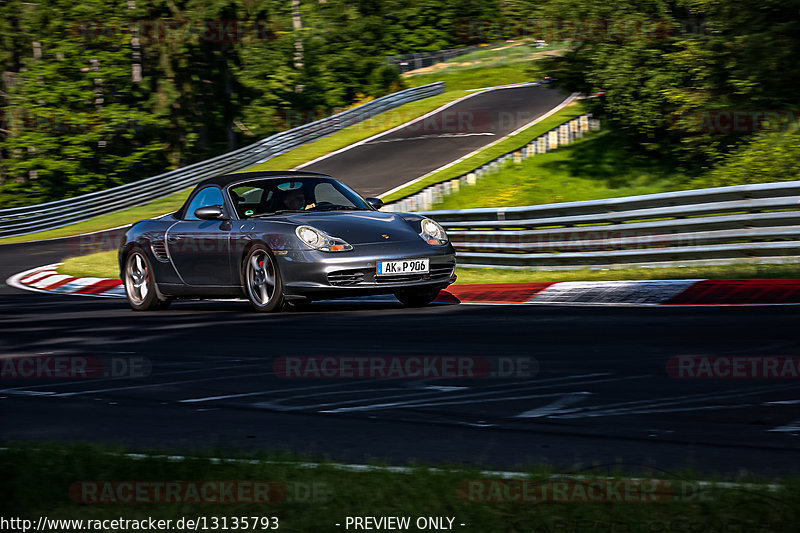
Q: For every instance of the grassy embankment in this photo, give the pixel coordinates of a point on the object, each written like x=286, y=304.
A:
x=37, y=482
x=594, y=167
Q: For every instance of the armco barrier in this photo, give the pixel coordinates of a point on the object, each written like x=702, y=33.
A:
x=29, y=219
x=743, y=223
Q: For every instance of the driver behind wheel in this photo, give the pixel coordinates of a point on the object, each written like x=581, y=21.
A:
x=295, y=200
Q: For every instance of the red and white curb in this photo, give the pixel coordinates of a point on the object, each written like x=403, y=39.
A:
x=47, y=279
x=647, y=292
x=635, y=293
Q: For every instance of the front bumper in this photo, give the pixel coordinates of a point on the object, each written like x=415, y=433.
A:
x=312, y=272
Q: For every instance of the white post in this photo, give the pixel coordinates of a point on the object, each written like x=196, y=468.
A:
x=552, y=139
x=563, y=134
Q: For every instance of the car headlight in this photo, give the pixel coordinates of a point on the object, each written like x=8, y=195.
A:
x=432, y=232
x=319, y=240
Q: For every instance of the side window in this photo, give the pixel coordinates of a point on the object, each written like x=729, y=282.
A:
x=207, y=196
x=249, y=200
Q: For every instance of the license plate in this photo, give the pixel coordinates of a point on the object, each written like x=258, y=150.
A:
x=405, y=266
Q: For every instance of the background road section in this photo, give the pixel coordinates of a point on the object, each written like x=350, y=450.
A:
x=390, y=160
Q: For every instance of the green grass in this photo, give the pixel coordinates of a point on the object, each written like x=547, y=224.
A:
x=96, y=265
x=504, y=52
x=37, y=480
x=484, y=156
x=104, y=265
x=484, y=68
x=475, y=78
x=592, y=168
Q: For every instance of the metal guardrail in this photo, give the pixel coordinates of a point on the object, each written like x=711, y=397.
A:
x=743, y=223
x=51, y=215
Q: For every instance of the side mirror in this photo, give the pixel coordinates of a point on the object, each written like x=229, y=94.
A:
x=377, y=203
x=211, y=212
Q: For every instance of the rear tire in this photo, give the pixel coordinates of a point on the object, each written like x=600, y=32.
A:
x=263, y=284
x=140, y=283
x=418, y=297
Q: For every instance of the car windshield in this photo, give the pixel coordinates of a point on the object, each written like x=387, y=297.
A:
x=271, y=196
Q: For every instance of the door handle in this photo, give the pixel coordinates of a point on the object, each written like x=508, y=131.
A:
x=173, y=240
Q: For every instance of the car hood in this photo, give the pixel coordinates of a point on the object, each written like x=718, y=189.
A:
x=358, y=227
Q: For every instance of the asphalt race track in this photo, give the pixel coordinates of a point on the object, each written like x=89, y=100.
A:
x=600, y=394
x=390, y=160
x=595, y=389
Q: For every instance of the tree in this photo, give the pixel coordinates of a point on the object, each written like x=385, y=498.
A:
x=76, y=122
x=716, y=55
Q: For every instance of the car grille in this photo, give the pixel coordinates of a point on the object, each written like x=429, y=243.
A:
x=344, y=278
x=159, y=250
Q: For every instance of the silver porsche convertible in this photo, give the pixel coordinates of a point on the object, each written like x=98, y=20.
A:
x=283, y=238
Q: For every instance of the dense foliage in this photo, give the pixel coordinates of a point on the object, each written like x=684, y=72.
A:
x=102, y=92
x=673, y=91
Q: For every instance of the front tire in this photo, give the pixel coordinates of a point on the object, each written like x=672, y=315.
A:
x=417, y=298
x=140, y=283
x=262, y=280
